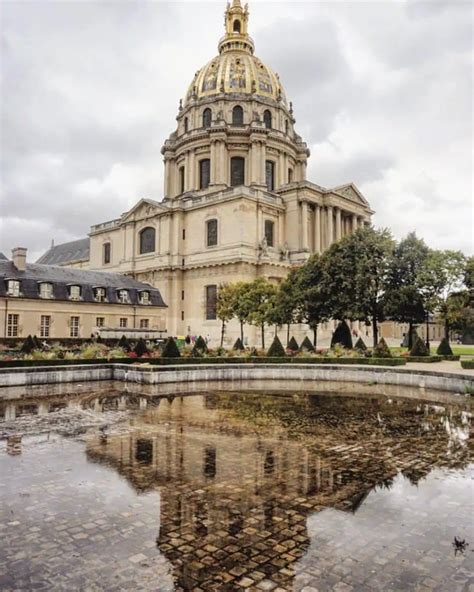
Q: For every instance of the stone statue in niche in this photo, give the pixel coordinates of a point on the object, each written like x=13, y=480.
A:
x=285, y=252
x=263, y=248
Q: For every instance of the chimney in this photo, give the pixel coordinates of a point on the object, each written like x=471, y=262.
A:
x=19, y=258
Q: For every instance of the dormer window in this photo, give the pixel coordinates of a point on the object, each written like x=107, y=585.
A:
x=123, y=297
x=75, y=292
x=13, y=288
x=46, y=290
x=99, y=294
x=145, y=297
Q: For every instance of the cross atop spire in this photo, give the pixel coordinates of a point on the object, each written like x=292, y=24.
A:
x=236, y=29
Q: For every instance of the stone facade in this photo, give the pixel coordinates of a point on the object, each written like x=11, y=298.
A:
x=237, y=203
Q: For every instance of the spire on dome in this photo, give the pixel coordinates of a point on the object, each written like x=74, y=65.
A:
x=236, y=29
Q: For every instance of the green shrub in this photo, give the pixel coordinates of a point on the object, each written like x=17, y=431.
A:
x=276, y=349
x=92, y=352
x=124, y=344
x=444, y=349
x=307, y=346
x=424, y=359
x=381, y=350
x=342, y=335
x=170, y=349
x=238, y=345
x=293, y=345
x=28, y=345
x=200, y=347
x=467, y=364
x=141, y=348
x=360, y=345
x=419, y=348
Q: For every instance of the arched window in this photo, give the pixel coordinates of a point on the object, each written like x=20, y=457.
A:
x=211, y=303
x=287, y=126
x=206, y=118
x=290, y=175
x=106, y=253
x=270, y=174
x=237, y=115
x=186, y=124
x=270, y=232
x=147, y=240
x=267, y=119
x=237, y=171
x=211, y=233
x=204, y=173
x=237, y=26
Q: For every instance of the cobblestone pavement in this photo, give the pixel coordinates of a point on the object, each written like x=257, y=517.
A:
x=217, y=492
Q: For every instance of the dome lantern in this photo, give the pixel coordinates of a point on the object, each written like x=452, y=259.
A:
x=236, y=37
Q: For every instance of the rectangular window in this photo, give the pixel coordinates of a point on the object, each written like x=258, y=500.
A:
x=269, y=233
x=123, y=322
x=144, y=323
x=74, y=327
x=181, y=179
x=100, y=321
x=270, y=175
x=123, y=296
x=237, y=171
x=204, y=173
x=106, y=253
x=13, y=288
x=182, y=294
x=46, y=290
x=211, y=303
x=290, y=175
x=182, y=315
x=75, y=292
x=145, y=298
x=99, y=294
x=45, y=325
x=211, y=231
x=184, y=234
x=12, y=325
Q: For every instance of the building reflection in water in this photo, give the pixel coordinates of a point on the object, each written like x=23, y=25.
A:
x=239, y=475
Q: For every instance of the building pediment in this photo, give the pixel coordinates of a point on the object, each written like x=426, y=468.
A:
x=351, y=192
x=145, y=208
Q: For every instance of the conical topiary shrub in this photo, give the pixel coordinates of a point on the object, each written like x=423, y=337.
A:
x=444, y=349
x=171, y=350
x=342, y=335
x=307, y=346
x=200, y=347
x=37, y=342
x=238, y=345
x=28, y=345
x=381, y=350
x=419, y=348
x=124, y=344
x=276, y=349
x=360, y=345
x=140, y=348
x=293, y=345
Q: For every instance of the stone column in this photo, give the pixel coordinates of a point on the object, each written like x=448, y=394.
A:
x=338, y=224
x=354, y=222
x=263, y=157
x=167, y=189
x=317, y=229
x=223, y=164
x=213, y=163
x=259, y=224
x=254, y=163
x=330, y=226
x=304, y=225
x=281, y=230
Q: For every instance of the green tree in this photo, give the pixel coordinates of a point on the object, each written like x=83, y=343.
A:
x=226, y=306
x=286, y=304
x=262, y=296
x=404, y=301
x=356, y=270
x=312, y=303
x=242, y=305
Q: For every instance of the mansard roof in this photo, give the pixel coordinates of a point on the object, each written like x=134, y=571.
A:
x=77, y=250
x=63, y=277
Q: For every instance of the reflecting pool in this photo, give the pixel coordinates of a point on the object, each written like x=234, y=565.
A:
x=120, y=489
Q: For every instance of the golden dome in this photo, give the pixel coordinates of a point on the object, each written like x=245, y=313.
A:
x=236, y=70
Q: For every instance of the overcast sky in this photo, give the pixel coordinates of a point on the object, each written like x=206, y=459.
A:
x=382, y=93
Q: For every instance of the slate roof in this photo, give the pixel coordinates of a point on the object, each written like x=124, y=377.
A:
x=63, y=277
x=77, y=250
x=3, y=257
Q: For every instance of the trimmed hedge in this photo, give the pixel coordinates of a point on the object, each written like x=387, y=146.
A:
x=293, y=345
x=452, y=358
x=276, y=349
x=467, y=364
x=197, y=361
x=423, y=359
x=444, y=348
